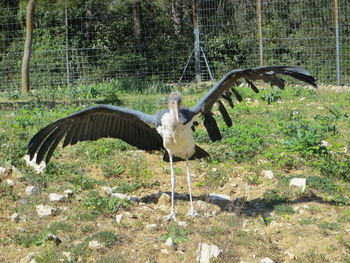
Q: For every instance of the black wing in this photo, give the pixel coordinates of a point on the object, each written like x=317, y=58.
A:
x=224, y=89
x=100, y=121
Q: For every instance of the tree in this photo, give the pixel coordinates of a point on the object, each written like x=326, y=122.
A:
x=25, y=82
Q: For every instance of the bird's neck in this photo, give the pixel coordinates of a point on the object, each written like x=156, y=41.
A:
x=172, y=120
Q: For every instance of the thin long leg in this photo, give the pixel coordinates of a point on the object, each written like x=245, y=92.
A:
x=192, y=212
x=173, y=181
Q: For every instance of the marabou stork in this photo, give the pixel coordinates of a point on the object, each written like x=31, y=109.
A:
x=169, y=129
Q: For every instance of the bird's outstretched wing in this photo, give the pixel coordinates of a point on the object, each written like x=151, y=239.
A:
x=225, y=88
x=100, y=121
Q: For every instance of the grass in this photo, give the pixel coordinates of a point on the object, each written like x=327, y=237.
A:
x=280, y=131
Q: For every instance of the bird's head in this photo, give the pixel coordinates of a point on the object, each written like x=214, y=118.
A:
x=174, y=103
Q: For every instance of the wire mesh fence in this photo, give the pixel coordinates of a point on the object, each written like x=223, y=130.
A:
x=92, y=41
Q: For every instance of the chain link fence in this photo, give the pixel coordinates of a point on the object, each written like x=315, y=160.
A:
x=92, y=41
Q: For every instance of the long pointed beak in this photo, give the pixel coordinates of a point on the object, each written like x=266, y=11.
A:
x=176, y=111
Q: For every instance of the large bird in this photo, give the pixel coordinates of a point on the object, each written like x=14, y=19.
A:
x=170, y=129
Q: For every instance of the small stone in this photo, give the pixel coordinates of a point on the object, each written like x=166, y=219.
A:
x=3, y=171
x=219, y=197
x=45, y=210
x=299, y=182
x=121, y=196
x=31, y=190
x=306, y=207
x=266, y=260
x=152, y=226
x=164, y=251
x=118, y=218
x=30, y=257
x=10, y=182
x=206, y=252
x=324, y=143
x=164, y=199
x=16, y=217
x=68, y=193
x=201, y=205
x=214, y=170
x=108, y=190
x=94, y=244
x=246, y=186
x=54, y=238
x=68, y=255
x=170, y=242
x=56, y=197
x=182, y=223
x=268, y=174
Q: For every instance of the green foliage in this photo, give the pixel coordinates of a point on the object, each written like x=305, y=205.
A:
x=107, y=238
x=283, y=209
x=246, y=140
x=273, y=96
x=176, y=233
x=103, y=205
x=325, y=185
x=274, y=197
x=302, y=136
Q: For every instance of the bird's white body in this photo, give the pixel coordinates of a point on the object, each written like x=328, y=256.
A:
x=178, y=139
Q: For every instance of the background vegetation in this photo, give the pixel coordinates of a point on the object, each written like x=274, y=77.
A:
x=152, y=40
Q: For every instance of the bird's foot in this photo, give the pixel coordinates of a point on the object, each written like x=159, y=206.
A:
x=192, y=213
x=171, y=217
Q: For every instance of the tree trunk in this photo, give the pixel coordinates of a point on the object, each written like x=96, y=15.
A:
x=25, y=83
x=177, y=14
x=137, y=16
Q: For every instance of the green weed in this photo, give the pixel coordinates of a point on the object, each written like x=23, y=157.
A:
x=176, y=233
x=103, y=205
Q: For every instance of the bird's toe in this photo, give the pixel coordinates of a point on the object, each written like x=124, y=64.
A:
x=171, y=216
x=192, y=213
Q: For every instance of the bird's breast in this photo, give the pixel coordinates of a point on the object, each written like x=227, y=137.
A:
x=177, y=139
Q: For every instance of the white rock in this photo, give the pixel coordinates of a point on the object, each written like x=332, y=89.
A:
x=10, y=182
x=3, y=170
x=30, y=257
x=68, y=255
x=56, y=197
x=246, y=186
x=170, y=242
x=16, y=217
x=45, y=210
x=266, y=260
x=164, y=199
x=39, y=168
x=108, y=190
x=201, y=205
x=68, y=193
x=206, y=252
x=152, y=226
x=118, y=218
x=94, y=244
x=121, y=196
x=268, y=174
x=298, y=182
x=165, y=251
x=324, y=143
x=182, y=223
x=31, y=190
x=219, y=197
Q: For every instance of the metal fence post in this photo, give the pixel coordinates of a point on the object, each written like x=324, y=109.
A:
x=197, y=50
x=67, y=46
x=261, y=54
x=337, y=43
